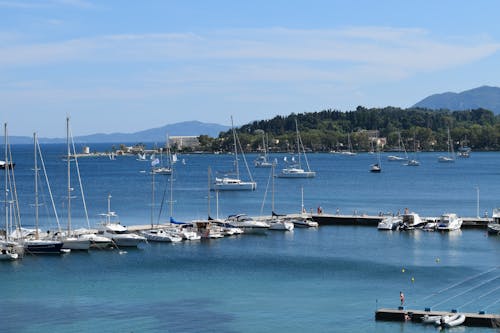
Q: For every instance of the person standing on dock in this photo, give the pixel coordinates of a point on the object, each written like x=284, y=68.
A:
x=402, y=298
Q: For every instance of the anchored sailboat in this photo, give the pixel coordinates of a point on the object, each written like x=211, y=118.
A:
x=295, y=170
x=227, y=183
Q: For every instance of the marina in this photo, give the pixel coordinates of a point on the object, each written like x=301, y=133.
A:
x=320, y=276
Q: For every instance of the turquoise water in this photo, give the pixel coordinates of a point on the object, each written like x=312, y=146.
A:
x=326, y=280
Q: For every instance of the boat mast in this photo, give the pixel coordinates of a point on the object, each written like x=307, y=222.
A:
x=235, y=151
x=68, y=167
x=36, y=186
x=272, y=190
x=298, y=142
x=152, y=194
x=6, y=191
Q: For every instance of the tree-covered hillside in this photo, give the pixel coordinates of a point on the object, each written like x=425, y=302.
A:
x=328, y=130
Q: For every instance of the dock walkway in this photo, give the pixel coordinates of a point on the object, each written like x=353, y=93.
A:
x=471, y=319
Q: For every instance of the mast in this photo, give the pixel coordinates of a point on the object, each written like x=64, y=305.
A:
x=235, y=151
x=152, y=194
x=6, y=187
x=208, y=194
x=172, y=192
x=68, y=167
x=298, y=142
x=272, y=191
x=36, y=185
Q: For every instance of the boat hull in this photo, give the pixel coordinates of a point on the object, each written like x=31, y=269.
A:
x=43, y=247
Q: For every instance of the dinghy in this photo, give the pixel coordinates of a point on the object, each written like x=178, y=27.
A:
x=430, y=319
x=459, y=320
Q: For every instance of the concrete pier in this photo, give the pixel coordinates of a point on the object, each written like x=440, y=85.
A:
x=373, y=220
x=471, y=319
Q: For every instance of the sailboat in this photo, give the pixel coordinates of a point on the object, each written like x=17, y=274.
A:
x=401, y=147
x=34, y=244
x=413, y=161
x=377, y=167
x=263, y=160
x=157, y=234
x=450, y=158
x=9, y=249
x=235, y=183
x=295, y=170
x=349, y=151
x=277, y=222
x=158, y=167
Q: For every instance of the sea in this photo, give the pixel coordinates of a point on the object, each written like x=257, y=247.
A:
x=329, y=279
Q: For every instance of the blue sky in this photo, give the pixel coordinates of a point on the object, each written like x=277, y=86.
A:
x=126, y=66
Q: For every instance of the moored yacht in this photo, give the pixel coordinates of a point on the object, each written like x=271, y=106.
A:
x=247, y=224
x=412, y=221
x=494, y=226
x=449, y=222
x=120, y=235
x=390, y=223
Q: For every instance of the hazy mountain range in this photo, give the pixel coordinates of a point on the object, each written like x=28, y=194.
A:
x=483, y=97
x=186, y=128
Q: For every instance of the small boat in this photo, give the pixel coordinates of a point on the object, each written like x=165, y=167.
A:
x=375, y=168
x=3, y=165
x=96, y=241
x=390, y=223
x=455, y=320
x=412, y=221
x=426, y=319
x=450, y=158
x=413, y=163
x=494, y=226
x=263, y=160
x=280, y=224
x=449, y=222
x=304, y=222
x=161, y=235
x=8, y=251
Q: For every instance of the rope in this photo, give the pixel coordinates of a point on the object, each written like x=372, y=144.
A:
x=466, y=291
x=459, y=283
x=475, y=299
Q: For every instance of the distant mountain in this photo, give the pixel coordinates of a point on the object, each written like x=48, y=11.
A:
x=159, y=134
x=483, y=97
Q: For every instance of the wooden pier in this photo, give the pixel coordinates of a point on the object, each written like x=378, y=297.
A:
x=471, y=319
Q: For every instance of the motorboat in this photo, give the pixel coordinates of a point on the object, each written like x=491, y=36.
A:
x=412, y=221
x=96, y=241
x=280, y=224
x=449, y=222
x=294, y=172
x=10, y=250
x=207, y=230
x=3, y=165
x=494, y=225
x=431, y=225
x=247, y=224
x=390, y=223
x=160, y=235
x=120, y=235
x=375, y=168
x=303, y=222
x=412, y=163
x=233, y=184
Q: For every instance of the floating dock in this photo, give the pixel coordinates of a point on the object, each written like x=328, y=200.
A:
x=471, y=319
x=373, y=220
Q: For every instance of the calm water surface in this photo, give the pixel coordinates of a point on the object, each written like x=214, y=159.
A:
x=326, y=280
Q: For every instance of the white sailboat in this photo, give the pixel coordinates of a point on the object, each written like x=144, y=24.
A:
x=161, y=169
x=71, y=240
x=227, y=183
x=277, y=221
x=349, y=151
x=401, y=147
x=9, y=249
x=262, y=161
x=377, y=167
x=295, y=170
x=414, y=161
x=450, y=158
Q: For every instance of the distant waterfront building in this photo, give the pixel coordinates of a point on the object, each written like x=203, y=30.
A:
x=182, y=142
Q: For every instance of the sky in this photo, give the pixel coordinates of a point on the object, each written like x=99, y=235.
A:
x=126, y=66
